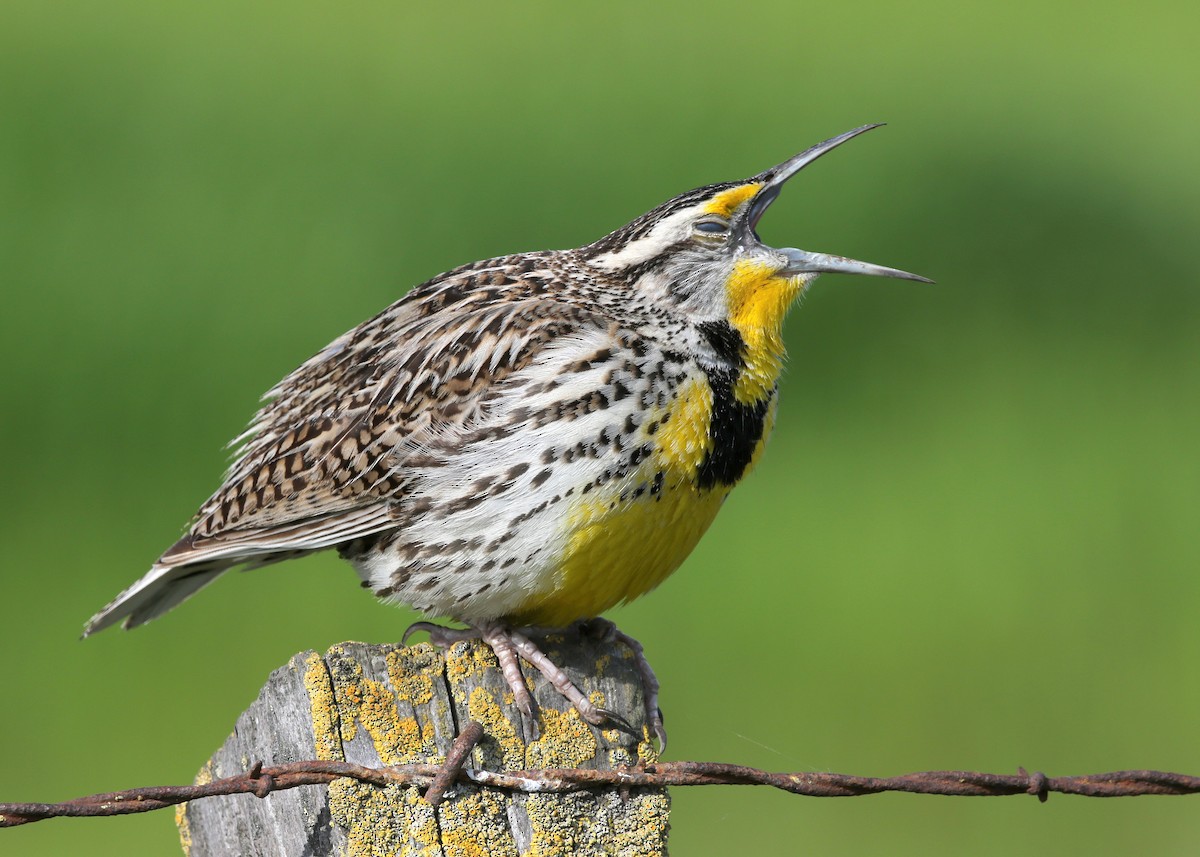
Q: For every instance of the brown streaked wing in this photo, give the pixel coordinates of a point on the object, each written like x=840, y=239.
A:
x=322, y=461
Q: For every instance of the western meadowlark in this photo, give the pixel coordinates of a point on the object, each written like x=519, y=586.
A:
x=523, y=441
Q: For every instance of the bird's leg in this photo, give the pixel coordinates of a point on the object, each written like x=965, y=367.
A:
x=506, y=653
x=507, y=643
x=498, y=640
x=590, y=712
x=604, y=629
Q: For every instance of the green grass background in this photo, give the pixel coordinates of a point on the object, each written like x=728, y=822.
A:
x=973, y=542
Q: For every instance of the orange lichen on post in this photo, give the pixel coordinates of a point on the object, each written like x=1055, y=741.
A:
x=203, y=777
x=379, y=820
x=386, y=705
x=324, y=708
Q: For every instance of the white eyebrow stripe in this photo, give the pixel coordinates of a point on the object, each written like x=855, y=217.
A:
x=670, y=230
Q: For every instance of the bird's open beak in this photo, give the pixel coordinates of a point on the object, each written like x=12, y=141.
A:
x=802, y=261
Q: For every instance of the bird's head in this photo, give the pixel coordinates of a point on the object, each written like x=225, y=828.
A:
x=701, y=253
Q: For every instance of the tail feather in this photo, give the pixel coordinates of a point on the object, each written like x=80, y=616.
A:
x=192, y=563
x=161, y=588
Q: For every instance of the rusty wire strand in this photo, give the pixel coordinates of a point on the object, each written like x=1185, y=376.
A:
x=262, y=780
x=456, y=760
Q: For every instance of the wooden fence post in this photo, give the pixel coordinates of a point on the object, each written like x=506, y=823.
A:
x=388, y=705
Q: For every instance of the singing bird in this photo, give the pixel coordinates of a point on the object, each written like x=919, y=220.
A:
x=527, y=440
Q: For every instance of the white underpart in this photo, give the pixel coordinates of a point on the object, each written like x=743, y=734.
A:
x=537, y=545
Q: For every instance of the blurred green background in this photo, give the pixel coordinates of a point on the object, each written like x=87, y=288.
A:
x=973, y=542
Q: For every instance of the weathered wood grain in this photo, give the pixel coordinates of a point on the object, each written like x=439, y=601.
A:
x=386, y=705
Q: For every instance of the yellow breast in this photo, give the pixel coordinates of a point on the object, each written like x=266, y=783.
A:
x=625, y=538
x=620, y=547
x=615, y=555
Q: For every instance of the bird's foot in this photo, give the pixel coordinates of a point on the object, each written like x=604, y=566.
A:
x=440, y=635
x=603, y=629
x=509, y=643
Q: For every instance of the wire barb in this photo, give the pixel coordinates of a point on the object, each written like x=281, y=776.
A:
x=455, y=760
x=262, y=780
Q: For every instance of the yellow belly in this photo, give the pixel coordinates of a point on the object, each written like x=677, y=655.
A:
x=617, y=550
x=615, y=555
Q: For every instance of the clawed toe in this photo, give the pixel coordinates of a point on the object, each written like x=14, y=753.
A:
x=416, y=628
x=659, y=730
x=510, y=646
x=440, y=635
x=611, y=718
x=650, y=685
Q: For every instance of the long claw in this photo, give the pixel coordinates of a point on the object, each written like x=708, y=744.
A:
x=508, y=644
x=650, y=685
x=610, y=717
x=660, y=730
x=440, y=635
x=416, y=628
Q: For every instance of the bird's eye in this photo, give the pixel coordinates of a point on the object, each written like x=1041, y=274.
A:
x=712, y=227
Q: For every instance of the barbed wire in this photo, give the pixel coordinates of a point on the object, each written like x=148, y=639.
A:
x=262, y=780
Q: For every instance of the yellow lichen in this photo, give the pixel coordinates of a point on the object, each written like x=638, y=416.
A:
x=378, y=821
x=372, y=705
x=482, y=706
x=559, y=823
x=640, y=829
x=471, y=822
x=466, y=660
x=323, y=705
x=408, y=673
x=566, y=741
x=383, y=821
x=646, y=750
x=601, y=823
x=184, y=828
x=203, y=777
x=397, y=739
x=476, y=825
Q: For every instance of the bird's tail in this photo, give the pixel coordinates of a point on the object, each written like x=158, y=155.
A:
x=192, y=563
x=160, y=589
